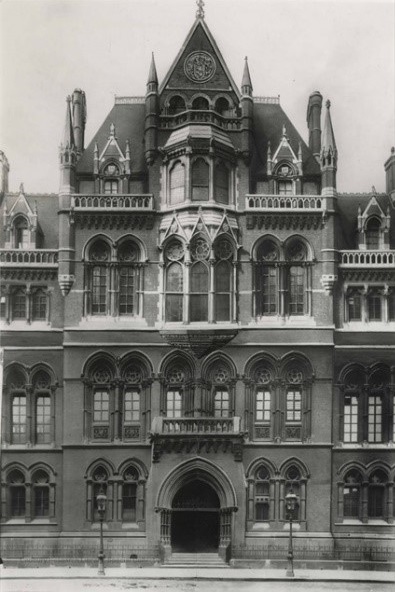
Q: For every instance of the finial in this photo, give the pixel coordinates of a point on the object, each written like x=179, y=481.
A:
x=21, y=188
x=393, y=150
x=284, y=130
x=200, y=10
x=112, y=129
x=374, y=189
x=328, y=104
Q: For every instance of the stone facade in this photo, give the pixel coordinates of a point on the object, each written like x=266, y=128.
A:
x=199, y=322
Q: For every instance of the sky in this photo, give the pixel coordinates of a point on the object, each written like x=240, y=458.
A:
x=343, y=48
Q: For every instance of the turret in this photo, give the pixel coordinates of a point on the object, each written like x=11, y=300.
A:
x=67, y=154
x=389, y=167
x=314, y=122
x=68, y=159
x=328, y=156
x=4, y=170
x=151, y=114
x=79, y=118
x=247, y=109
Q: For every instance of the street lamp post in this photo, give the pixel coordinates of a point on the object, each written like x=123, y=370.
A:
x=290, y=502
x=101, y=500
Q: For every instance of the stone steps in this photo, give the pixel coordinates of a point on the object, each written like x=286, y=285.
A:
x=204, y=560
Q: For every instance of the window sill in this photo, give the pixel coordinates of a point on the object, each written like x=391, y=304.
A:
x=359, y=523
x=261, y=526
x=25, y=326
x=130, y=526
x=364, y=446
x=368, y=326
x=112, y=323
x=286, y=321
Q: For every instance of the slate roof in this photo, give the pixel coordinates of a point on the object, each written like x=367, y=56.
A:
x=348, y=205
x=47, y=215
x=129, y=125
x=268, y=126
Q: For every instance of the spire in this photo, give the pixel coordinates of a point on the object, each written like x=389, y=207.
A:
x=68, y=136
x=200, y=10
x=328, y=137
x=152, y=76
x=246, y=80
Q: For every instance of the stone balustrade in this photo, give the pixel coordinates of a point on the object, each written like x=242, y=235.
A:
x=196, y=425
x=378, y=258
x=205, y=116
x=32, y=258
x=116, y=202
x=284, y=202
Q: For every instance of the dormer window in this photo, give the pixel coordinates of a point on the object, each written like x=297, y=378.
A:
x=21, y=233
x=372, y=232
x=111, y=182
x=285, y=187
x=110, y=187
x=284, y=174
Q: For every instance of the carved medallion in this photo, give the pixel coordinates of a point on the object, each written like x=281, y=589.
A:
x=199, y=66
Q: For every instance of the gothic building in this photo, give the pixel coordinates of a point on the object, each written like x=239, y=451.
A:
x=198, y=324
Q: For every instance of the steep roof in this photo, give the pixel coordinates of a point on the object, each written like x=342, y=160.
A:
x=348, y=205
x=129, y=125
x=269, y=119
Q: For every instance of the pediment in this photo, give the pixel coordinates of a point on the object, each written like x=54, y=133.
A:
x=199, y=65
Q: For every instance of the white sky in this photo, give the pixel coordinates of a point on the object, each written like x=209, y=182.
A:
x=344, y=48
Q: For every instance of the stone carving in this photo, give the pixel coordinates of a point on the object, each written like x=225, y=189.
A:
x=199, y=66
x=262, y=432
x=132, y=432
x=100, y=433
x=174, y=251
x=200, y=249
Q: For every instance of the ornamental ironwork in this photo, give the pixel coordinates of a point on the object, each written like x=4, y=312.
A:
x=199, y=66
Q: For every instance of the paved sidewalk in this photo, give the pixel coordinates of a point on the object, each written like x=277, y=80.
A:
x=168, y=573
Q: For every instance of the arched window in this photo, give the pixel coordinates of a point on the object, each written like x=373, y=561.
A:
x=296, y=256
x=354, y=304
x=199, y=275
x=18, y=422
x=221, y=402
x=222, y=107
x=262, y=494
x=132, y=377
x=16, y=494
x=352, y=497
x=41, y=494
x=129, y=494
x=100, y=484
x=267, y=280
x=223, y=280
x=176, y=105
x=174, y=292
x=175, y=384
x=21, y=233
x=262, y=377
x=200, y=104
x=377, y=495
x=373, y=227
x=375, y=304
x=42, y=403
x=220, y=390
x=200, y=180
x=39, y=305
x=129, y=278
x=102, y=402
x=99, y=275
x=18, y=304
x=221, y=183
x=177, y=183
x=111, y=183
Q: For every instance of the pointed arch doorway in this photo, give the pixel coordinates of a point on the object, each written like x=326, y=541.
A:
x=195, y=519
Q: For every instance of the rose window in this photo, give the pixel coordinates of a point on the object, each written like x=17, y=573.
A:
x=102, y=376
x=200, y=249
x=223, y=249
x=132, y=375
x=220, y=375
x=175, y=251
x=295, y=376
x=263, y=376
x=176, y=376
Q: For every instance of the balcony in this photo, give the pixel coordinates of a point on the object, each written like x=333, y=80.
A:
x=196, y=116
x=42, y=258
x=113, y=203
x=367, y=259
x=284, y=203
x=196, y=425
x=197, y=435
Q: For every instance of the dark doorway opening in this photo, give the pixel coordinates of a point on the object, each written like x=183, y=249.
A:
x=195, y=519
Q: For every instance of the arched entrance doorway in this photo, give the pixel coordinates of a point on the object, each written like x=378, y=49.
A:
x=195, y=518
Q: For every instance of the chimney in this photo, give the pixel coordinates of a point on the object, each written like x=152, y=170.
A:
x=314, y=122
x=389, y=167
x=79, y=118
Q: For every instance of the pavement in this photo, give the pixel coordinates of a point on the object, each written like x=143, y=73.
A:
x=222, y=574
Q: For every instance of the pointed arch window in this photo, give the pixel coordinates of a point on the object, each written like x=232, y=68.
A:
x=16, y=494
x=296, y=256
x=372, y=233
x=352, y=498
x=128, y=269
x=221, y=183
x=41, y=494
x=129, y=494
x=99, y=273
x=293, y=484
x=377, y=495
x=19, y=412
x=101, y=400
x=21, y=233
x=200, y=180
x=18, y=304
x=174, y=292
x=100, y=485
x=262, y=494
x=221, y=402
x=132, y=403
x=39, y=305
x=267, y=279
x=176, y=391
x=199, y=292
x=177, y=183
x=42, y=404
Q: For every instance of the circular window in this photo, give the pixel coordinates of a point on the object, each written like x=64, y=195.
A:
x=199, y=66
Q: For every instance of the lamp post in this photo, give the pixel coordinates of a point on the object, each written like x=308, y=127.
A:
x=101, y=500
x=290, y=502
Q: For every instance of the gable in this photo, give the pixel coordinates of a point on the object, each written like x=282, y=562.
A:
x=199, y=66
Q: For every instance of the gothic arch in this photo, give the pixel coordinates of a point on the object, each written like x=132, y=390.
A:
x=90, y=242
x=100, y=462
x=349, y=466
x=295, y=238
x=216, y=358
x=266, y=237
x=134, y=239
x=138, y=358
x=263, y=358
x=203, y=470
x=137, y=464
x=293, y=461
x=178, y=357
x=252, y=467
x=299, y=360
x=96, y=357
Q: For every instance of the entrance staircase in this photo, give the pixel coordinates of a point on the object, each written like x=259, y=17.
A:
x=200, y=560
